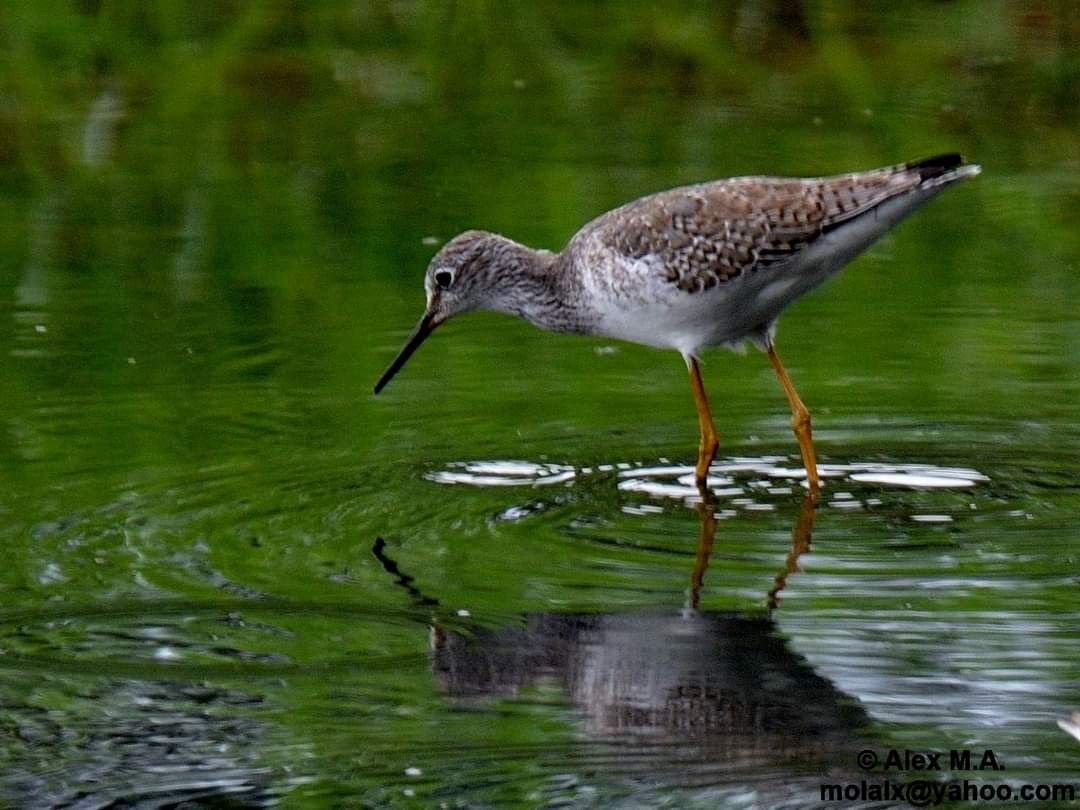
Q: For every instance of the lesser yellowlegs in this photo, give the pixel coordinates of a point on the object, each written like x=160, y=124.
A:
x=704, y=265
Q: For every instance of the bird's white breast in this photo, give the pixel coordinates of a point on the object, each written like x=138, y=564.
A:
x=633, y=302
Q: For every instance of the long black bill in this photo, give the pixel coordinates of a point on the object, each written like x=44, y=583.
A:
x=423, y=329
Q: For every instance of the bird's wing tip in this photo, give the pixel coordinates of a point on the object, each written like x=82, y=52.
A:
x=942, y=171
x=950, y=165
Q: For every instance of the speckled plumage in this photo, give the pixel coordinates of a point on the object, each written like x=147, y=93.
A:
x=713, y=232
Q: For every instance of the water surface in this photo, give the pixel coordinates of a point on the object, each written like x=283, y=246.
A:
x=233, y=575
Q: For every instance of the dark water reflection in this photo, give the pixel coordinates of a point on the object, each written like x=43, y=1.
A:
x=702, y=700
x=682, y=698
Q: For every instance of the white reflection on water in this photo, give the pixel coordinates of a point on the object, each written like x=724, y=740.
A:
x=503, y=474
x=743, y=484
x=742, y=479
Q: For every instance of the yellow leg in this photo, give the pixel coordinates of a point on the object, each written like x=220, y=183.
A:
x=709, y=441
x=800, y=421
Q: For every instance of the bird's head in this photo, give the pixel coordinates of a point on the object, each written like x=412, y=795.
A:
x=463, y=276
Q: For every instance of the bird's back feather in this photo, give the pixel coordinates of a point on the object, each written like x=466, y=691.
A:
x=706, y=235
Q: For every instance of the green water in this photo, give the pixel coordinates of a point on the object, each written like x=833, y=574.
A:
x=232, y=576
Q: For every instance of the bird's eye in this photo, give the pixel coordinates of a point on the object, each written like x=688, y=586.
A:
x=444, y=278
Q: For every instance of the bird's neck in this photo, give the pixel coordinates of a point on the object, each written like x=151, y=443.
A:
x=532, y=285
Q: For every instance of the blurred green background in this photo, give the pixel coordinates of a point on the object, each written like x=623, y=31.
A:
x=214, y=221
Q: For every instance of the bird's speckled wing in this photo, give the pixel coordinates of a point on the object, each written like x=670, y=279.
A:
x=710, y=233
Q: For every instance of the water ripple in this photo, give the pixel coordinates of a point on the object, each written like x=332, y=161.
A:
x=763, y=471
x=504, y=474
x=744, y=483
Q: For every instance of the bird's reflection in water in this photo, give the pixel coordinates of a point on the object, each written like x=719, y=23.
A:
x=672, y=687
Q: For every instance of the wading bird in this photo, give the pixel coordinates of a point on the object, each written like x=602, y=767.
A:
x=712, y=264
